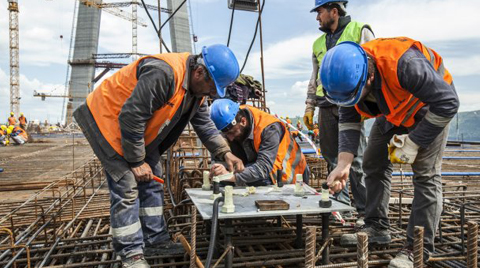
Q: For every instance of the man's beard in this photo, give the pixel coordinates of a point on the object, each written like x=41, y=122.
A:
x=327, y=26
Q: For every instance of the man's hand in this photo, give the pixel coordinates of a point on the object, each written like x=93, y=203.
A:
x=218, y=169
x=143, y=173
x=337, y=180
x=308, y=119
x=402, y=149
x=234, y=163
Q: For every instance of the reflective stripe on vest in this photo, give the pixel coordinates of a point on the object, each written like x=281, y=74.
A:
x=289, y=156
x=402, y=104
x=352, y=32
x=107, y=100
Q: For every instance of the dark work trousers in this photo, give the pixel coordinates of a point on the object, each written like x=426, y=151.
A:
x=328, y=126
x=427, y=195
x=136, y=214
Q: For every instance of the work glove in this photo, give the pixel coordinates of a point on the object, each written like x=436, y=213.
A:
x=402, y=150
x=308, y=118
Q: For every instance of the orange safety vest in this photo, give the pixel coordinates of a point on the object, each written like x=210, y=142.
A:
x=289, y=156
x=402, y=104
x=107, y=100
x=22, y=120
x=12, y=121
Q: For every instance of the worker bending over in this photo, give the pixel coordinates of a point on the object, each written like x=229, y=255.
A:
x=12, y=121
x=405, y=85
x=337, y=27
x=18, y=135
x=132, y=118
x=263, y=143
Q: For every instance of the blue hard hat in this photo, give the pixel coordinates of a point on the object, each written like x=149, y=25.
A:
x=344, y=73
x=223, y=112
x=222, y=66
x=319, y=3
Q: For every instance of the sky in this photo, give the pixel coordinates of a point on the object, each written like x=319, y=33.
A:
x=289, y=30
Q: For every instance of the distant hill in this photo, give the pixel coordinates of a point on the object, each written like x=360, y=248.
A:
x=468, y=126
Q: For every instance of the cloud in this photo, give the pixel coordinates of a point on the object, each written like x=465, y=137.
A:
x=299, y=89
x=426, y=20
x=288, y=58
x=463, y=66
x=32, y=107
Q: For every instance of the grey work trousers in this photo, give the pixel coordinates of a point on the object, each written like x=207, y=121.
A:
x=328, y=126
x=427, y=195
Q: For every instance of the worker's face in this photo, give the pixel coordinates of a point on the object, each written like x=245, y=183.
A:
x=201, y=84
x=368, y=87
x=236, y=133
x=325, y=18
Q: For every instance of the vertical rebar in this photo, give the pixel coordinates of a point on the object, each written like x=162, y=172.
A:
x=472, y=244
x=193, y=239
x=310, y=246
x=418, y=247
x=362, y=250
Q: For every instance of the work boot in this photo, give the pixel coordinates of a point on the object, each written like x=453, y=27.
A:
x=137, y=261
x=375, y=236
x=164, y=248
x=404, y=259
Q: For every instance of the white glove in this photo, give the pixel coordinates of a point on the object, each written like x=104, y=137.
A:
x=402, y=149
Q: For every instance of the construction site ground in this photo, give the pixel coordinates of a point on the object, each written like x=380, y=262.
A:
x=54, y=212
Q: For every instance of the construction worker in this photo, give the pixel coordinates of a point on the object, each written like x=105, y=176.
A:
x=132, y=118
x=299, y=125
x=288, y=121
x=405, y=86
x=262, y=142
x=18, y=135
x=3, y=135
x=11, y=120
x=336, y=27
x=23, y=121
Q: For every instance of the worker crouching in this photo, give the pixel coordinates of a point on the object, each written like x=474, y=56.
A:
x=18, y=135
x=405, y=85
x=261, y=141
x=132, y=118
x=4, y=135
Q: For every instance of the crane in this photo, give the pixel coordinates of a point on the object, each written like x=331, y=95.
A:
x=14, y=59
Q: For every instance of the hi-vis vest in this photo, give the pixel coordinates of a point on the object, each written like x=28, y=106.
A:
x=402, y=104
x=289, y=156
x=22, y=120
x=12, y=121
x=106, y=102
x=352, y=32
